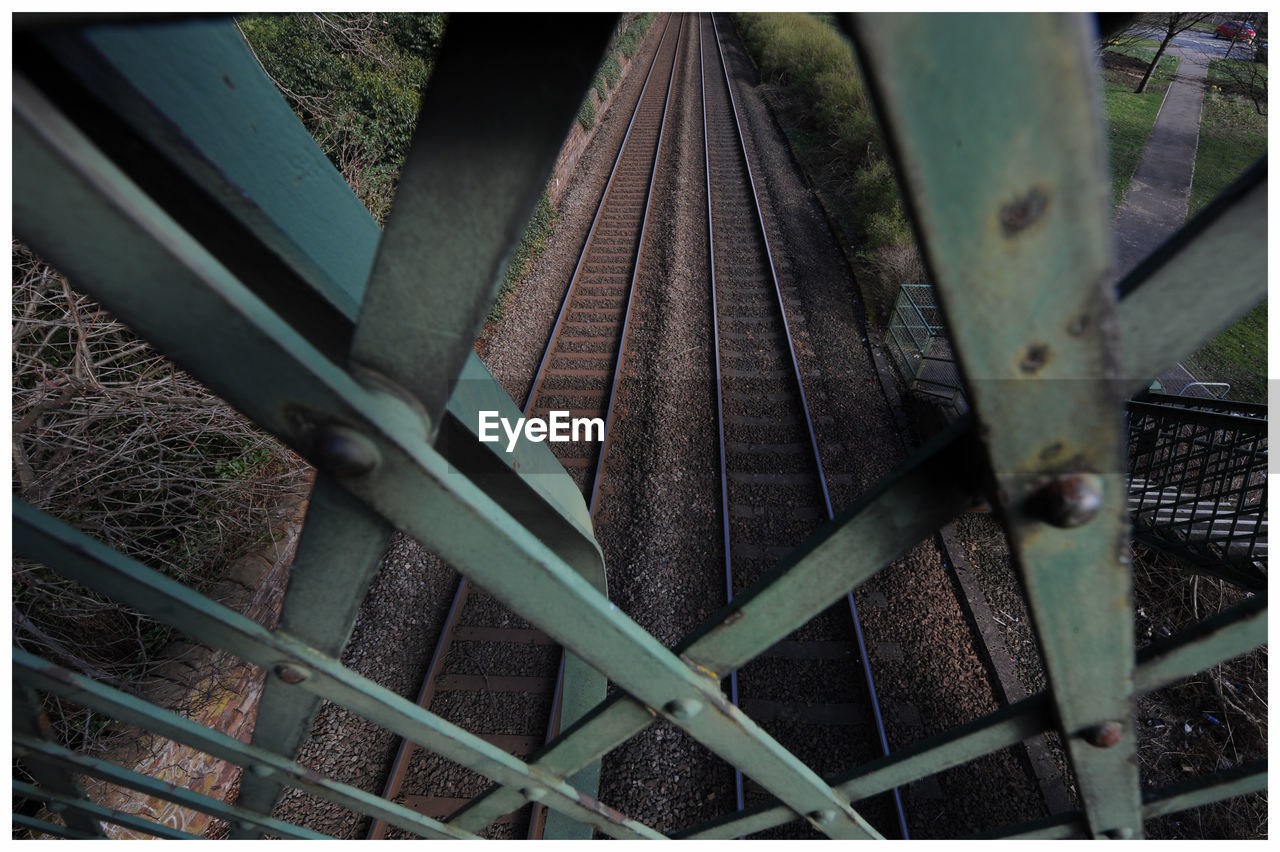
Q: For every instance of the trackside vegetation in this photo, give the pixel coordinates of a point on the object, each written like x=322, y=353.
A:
x=814, y=86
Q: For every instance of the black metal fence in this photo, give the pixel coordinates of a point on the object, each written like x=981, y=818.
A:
x=1198, y=483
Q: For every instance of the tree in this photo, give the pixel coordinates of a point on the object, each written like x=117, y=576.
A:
x=1169, y=24
x=1248, y=75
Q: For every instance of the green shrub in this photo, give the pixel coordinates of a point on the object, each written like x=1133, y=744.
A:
x=820, y=98
x=354, y=81
x=587, y=113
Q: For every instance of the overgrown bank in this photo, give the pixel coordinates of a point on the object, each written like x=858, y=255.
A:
x=815, y=88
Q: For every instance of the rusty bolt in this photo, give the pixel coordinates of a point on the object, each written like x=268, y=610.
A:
x=1105, y=735
x=533, y=794
x=823, y=817
x=291, y=673
x=1068, y=500
x=346, y=452
x=682, y=708
x=1035, y=358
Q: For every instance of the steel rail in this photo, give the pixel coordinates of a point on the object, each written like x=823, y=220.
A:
x=715, y=343
x=586, y=243
x=427, y=692
x=553, y=730
x=873, y=699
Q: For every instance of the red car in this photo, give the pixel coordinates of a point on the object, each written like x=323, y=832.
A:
x=1230, y=28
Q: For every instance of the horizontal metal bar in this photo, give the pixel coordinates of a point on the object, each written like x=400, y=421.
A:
x=89, y=693
x=29, y=719
x=1001, y=729
x=1064, y=826
x=1225, y=636
x=93, y=809
x=51, y=828
x=1250, y=426
x=1207, y=789
x=1170, y=284
x=27, y=747
x=1254, y=409
x=95, y=565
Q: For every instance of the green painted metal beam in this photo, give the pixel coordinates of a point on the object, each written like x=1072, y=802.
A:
x=52, y=829
x=187, y=304
x=135, y=711
x=491, y=124
x=30, y=721
x=1197, y=792
x=78, y=806
x=1202, y=646
x=1005, y=727
x=926, y=491
x=106, y=771
x=1166, y=311
x=96, y=566
x=1004, y=164
x=339, y=550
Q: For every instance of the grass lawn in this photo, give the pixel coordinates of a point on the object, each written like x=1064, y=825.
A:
x=1130, y=116
x=1232, y=137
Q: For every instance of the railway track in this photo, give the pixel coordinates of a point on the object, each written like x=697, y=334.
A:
x=517, y=707
x=773, y=486
x=494, y=674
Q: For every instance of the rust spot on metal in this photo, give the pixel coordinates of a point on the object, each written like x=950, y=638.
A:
x=1036, y=357
x=1067, y=501
x=612, y=814
x=290, y=673
x=1019, y=215
x=1105, y=735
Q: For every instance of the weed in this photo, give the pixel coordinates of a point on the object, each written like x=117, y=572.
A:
x=587, y=113
x=818, y=95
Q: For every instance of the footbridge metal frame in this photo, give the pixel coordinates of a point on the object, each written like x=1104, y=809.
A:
x=194, y=206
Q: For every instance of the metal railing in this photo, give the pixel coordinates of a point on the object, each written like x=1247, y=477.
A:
x=1198, y=487
x=921, y=349
x=157, y=168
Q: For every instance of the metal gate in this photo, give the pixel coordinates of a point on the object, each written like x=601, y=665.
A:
x=195, y=207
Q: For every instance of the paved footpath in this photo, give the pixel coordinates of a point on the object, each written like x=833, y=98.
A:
x=1155, y=204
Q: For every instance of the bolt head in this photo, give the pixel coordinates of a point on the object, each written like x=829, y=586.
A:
x=345, y=452
x=1105, y=735
x=534, y=794
x=1067, y=501
x=824, y=817
x=682, y=708
x=261, y=770
x=290, y=673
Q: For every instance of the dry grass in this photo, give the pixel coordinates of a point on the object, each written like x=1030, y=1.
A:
x=111, y=438
x=1214, y=720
